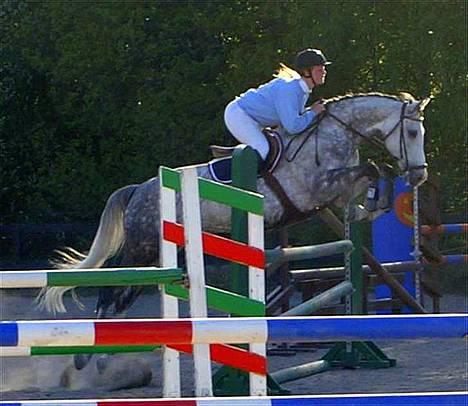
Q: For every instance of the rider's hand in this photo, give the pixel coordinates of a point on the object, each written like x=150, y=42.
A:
x=318, y=107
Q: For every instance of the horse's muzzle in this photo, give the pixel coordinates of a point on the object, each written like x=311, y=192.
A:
x=417, y=176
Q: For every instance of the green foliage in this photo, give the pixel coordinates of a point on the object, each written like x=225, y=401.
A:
x=97, y=95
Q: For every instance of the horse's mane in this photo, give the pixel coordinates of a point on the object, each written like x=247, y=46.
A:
x=403, y=96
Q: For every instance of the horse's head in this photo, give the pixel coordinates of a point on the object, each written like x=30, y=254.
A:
x=402, y=131
x=405, y=140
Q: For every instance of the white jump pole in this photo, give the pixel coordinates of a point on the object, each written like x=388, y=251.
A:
x=196, y=274
x=169, y=304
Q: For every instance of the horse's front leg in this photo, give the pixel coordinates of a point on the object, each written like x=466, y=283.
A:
x=342, y=186
x=374, y=206
x=355, y=182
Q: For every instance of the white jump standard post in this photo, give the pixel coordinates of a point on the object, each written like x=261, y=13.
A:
x=169, y=304
x=196, y=273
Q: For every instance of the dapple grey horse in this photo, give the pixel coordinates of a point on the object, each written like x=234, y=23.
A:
x=320, y=168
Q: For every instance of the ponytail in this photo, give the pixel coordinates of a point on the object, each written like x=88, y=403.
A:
x=286, y=72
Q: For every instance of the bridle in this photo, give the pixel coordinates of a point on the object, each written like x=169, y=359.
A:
x=290, y=209
x=380, y=141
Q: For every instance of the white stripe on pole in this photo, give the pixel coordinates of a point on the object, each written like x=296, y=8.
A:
x=230, y=330
x=15, y=351
x=196, y=273
x=55, y=333
x=416, y=254
x=169, y=304
x=23, y=279
x=258, y=383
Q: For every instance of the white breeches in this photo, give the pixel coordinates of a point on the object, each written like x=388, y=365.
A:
x=245, y=129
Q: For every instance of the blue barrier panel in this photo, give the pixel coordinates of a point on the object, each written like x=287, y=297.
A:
x=392, y=238
x=370, y=400
x=8, y=334
x=365, y=328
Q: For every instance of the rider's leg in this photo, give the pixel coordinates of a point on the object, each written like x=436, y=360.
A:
x=245, y=129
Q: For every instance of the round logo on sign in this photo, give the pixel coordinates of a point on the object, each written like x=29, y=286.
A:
x=404, y=208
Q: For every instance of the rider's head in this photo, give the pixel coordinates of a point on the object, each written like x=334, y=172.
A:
x=310, y=63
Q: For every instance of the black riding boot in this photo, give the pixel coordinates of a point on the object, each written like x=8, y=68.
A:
x=261, y=163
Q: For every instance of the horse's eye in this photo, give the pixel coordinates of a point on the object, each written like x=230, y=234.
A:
x=413, y=133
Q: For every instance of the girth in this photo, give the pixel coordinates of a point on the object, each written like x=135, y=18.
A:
x=290, y=211
x=291, y=214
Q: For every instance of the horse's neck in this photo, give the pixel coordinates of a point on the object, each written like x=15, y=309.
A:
x=335, y=145
x=362, y=113
x=327, y=147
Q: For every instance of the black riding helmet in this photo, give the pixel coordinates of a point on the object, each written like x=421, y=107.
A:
x=310, y=57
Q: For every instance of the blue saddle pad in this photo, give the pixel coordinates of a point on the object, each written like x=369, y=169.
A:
x=220, y=170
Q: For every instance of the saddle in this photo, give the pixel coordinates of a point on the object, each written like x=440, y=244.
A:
x=275, y=151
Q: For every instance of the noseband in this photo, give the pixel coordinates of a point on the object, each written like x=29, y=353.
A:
x=380, y=142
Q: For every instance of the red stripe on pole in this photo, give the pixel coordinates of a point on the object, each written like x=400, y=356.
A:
x=218, y=246
x=232, y=356
x=432, y=229
x=445, y=229
x=142, y=332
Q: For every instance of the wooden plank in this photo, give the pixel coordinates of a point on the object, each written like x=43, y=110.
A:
x=169, y=304
x=196, y=273
x=231, y=196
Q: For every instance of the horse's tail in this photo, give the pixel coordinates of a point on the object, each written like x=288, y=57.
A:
x=107, y=242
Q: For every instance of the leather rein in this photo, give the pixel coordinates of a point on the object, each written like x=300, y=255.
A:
x=290, y=211
x=380, y=142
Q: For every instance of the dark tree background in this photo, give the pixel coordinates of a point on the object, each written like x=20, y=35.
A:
x=96, y=95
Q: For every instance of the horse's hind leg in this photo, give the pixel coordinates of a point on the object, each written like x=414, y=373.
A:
x=117, y=300
x=121, y=298
x=105, y=296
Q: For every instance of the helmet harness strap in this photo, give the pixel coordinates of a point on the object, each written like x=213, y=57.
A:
x=308, y=75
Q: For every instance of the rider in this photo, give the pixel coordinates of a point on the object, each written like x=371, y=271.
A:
x=281, y=101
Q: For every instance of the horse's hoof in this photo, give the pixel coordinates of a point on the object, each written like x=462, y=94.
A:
x=358, y=213
x=101, y=364
x=65, y=378
x=126, y=373
x=119, y=373
x=81, y=360
x=384, y=204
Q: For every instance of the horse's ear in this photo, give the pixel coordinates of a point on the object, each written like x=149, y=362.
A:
x=419, y=106
x=423, y=103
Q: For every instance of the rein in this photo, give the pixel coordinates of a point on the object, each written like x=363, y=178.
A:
x=290, y=211
x=311, y=130
x=380, y=142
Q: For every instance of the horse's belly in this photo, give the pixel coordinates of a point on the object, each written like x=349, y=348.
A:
x=216, y=218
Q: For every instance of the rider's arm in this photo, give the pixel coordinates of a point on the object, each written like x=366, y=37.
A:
x=289, y=105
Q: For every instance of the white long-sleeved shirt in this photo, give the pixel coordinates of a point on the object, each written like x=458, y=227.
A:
x=279, y=102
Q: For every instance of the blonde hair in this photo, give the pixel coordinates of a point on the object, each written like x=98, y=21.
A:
x=286, y=72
